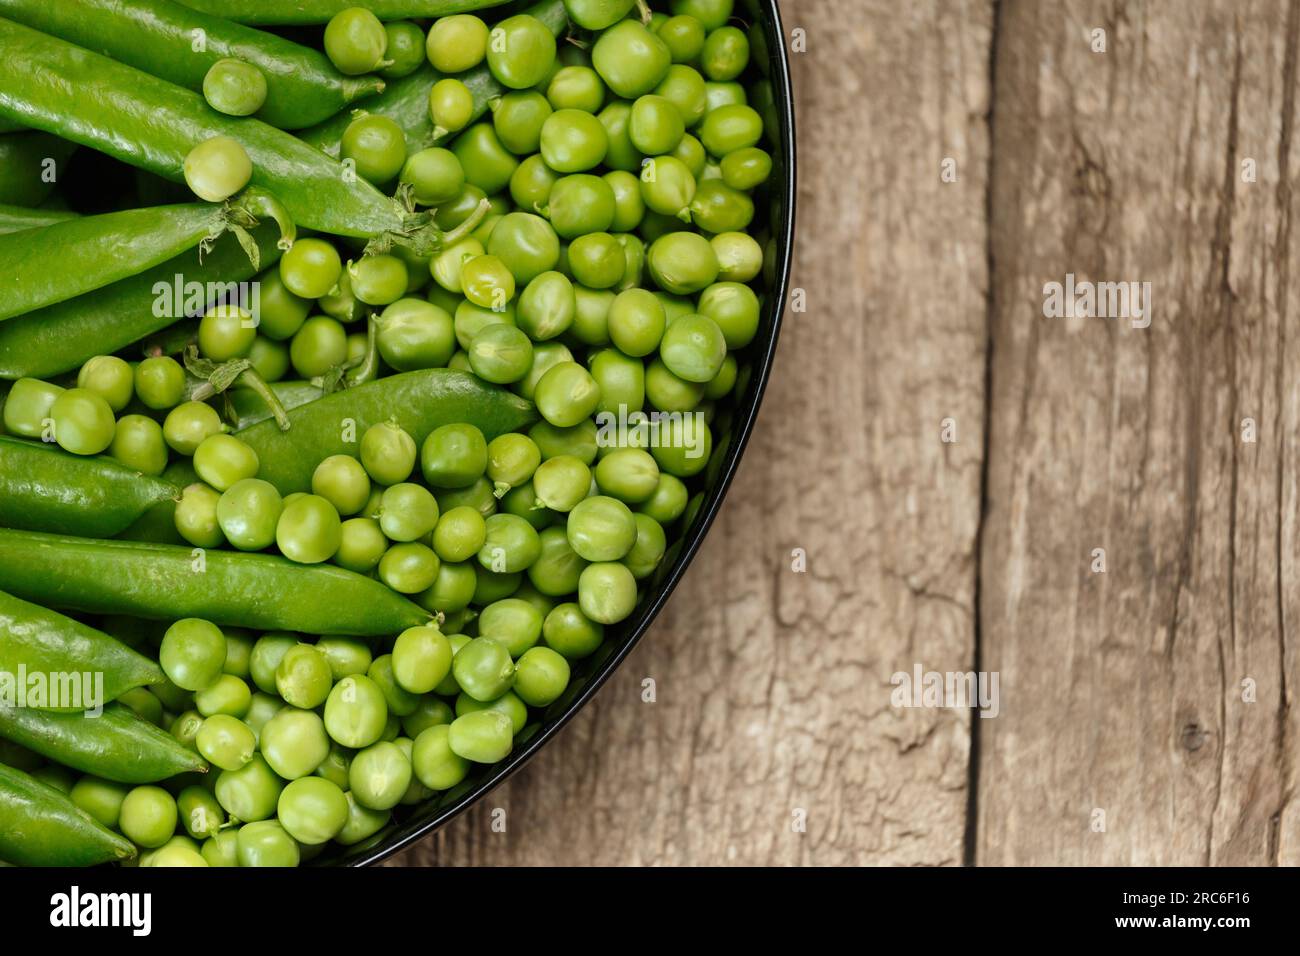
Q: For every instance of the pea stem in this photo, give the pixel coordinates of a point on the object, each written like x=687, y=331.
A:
x=644, y=9
x=255, y=204
x=471, y=223
x=367, y=369
x=250, y=378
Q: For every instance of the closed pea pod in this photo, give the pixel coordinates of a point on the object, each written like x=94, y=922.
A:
x=39, y=826
x=116, y=745
x=115, y=246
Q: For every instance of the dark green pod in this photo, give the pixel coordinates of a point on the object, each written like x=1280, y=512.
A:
x=18, y=218
x=157, y=36
x=59, y=338
x=281, y=12
x=117, y=745
x=166, y=582
x=43, y=488
x=39, y=826
x=406, y=101
x=43, y=641
x=153, y=124
x=418, y=401
x=23, y=158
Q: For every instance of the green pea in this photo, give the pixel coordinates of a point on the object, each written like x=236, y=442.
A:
x=226, y=332
x=281, y=312
x=453, y=456
x=387, y=453
x=541, y=676
x=487, y=282
x=724, y=94
x=452, y=590
x=682, y=263
x=82, y=421
x=435, y=764
x=693, y=348
x=356, y=711
x=196, y=516
x=601, y=528
x=239, y=651
x=576, y=88
x=148, y=816
x=138, y=443
x=629, y=206
x=361, y=545
x=656, y=125
x=303, y=677
x=567, y=394
x=561, y=482
x=435, y=176
x=221, y=849
x=27, y=408
x=355, y=41
x=579, y=204
x=483, y=736
x=457, y=43
x=487, y=163
x=346, y=656
x=234, y=87
x=409, y=568
x=309, y=530
x=221, y=460
x=185, y=728
x=630, y=59
x=729, y=128
x=555, y=572
x=267, y=653
x=622, y=382
x=110, y=377
x=526, y=244
x=573, y=141
x=508, y=704
x=717, y=207
x=668, y=393
x=421, y=659
x=571, y=633
x=532, y=182
x=515, y=623
x=510, y=544
x=400, y=701
x=217, y=168
x=312, y=810
x=740, y=258
x=684, y=446
x=479, y=494
x=192, y=653
x=102, y=799
x=684, y=36
x=667, y=186
x=405, y=49
x=248, y=512
x=342, y=481
x=451, y=105
x=668, y=500
x=501, y=354
x=607, y=592
x=725, y=54
x=294, y=743
x=597, y=260
x=226, y=742
x=459, y=535
x=375, y=146
x=520, y=52
x=578, y=440
x=266, y=843
x=310, y=268
x=628, y=474
x=377, y=279
x=517, y=118
x=227, y=695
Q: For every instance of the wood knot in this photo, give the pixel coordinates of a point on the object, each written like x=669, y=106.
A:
x=1193, y=736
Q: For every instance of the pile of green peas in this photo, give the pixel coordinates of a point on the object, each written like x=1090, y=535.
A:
x=614, y=273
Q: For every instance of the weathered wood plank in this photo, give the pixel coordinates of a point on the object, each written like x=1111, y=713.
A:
x=1122, y=692
x=773, y=691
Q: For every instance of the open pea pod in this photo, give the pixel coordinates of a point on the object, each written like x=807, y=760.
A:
x=45, y=642
x=418, y=401
x=157, y=36
x=406, y=101
x=282, y=12
x=117, y=245
x=44, y=488
x=116, y=745
x=163, y=582
x=39, y=826
x=60, y=337
x=56, y=86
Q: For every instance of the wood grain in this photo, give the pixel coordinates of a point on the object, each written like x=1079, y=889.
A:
x=1123, y=691
x=773, y=686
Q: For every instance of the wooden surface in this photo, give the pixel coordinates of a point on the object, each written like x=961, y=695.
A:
x=1123, y=735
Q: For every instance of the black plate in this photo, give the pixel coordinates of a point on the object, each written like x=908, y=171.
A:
x=731, y=427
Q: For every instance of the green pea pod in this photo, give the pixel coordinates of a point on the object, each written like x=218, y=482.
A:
x=60, y=337
x=153, y=124
x=39, y=826
x=418, y=401
x=157, y=36
x=245, y=407
x=117, y=745
x=43, y=488
x=406, y=101
x=18, y=218
x=45, y=642
x=117, y=245
x=166, y=582
x=30, y=165
x=282, y=12
x=9, y=126
x=158, y=524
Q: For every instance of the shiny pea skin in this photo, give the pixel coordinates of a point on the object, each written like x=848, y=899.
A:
x=484, y=736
